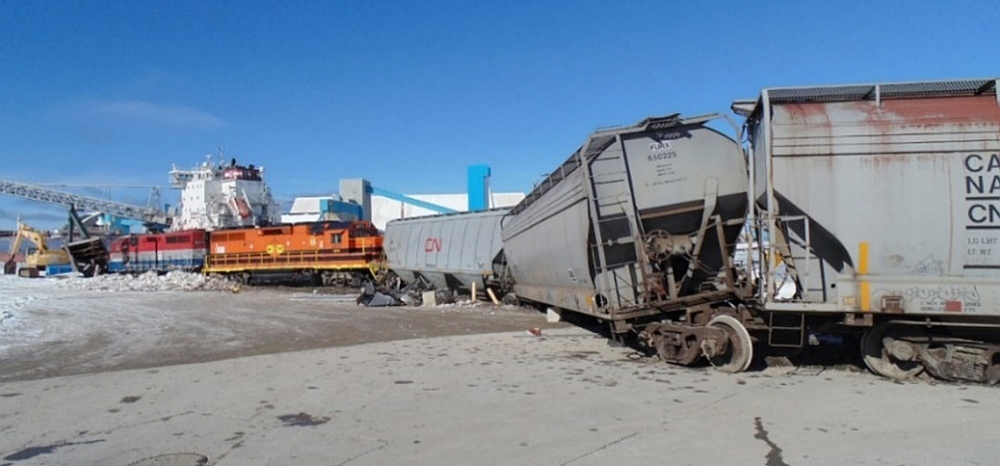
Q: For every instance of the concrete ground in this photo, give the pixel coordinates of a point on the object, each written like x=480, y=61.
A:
x=565, y=398
x=51, y=327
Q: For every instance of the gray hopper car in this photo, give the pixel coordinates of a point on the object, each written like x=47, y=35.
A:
x=447, y=252
x=882, y=201
x=640, y=222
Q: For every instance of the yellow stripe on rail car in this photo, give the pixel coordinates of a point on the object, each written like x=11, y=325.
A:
x=865, y=288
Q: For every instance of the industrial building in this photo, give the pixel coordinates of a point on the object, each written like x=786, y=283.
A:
x=359, y=200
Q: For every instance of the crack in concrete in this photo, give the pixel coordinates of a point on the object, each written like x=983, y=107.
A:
x=366, y=452
x=602, y=447
x=31, y=452
x=773, y=457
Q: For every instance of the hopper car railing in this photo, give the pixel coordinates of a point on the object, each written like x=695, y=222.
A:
x=783, y=242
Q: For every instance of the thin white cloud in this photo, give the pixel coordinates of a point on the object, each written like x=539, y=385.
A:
x=138, y=111
x=178, y=115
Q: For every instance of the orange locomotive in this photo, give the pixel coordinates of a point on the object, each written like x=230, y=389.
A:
x=327, y=253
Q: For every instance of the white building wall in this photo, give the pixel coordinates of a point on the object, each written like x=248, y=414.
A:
x=307, y=209
x=385, y=209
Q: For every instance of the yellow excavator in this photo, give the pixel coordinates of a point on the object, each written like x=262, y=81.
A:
x=38, y=258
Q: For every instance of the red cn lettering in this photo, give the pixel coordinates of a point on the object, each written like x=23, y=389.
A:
x=432, y=245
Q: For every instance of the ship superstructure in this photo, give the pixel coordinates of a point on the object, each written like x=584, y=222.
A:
x=215, y=196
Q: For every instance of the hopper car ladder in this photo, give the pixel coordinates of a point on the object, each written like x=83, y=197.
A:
x=615, y=281
x=788, y=329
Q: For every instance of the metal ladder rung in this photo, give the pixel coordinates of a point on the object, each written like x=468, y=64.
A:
x=619, y=242
x=614, y=200
x=607, y=175
x=799, y=331
x=608, y=182
x=611, y=204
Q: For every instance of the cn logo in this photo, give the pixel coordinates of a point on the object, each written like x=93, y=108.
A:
x=432, y=244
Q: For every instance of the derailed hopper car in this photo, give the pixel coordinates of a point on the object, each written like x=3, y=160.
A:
x=882, y=201
x=450, y=251
x=637, y=228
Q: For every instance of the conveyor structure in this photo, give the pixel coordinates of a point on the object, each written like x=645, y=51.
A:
x=78, y=202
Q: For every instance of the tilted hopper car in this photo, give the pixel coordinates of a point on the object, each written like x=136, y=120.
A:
x=871, y=210
x=637, y=228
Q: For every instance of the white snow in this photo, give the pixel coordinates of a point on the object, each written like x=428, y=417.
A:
x=69, y=305
x=149, y=281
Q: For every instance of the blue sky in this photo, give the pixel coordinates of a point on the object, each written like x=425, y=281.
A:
x=407, y=94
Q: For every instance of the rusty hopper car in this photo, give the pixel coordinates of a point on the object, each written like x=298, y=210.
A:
x=882, y=201
x=450, y=251
x=325, y=252
x=636, y=228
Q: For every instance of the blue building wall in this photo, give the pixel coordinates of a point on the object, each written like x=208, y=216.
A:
x=479, y=196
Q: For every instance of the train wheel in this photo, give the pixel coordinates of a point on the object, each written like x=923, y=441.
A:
x=241, y=278
x=739, y=352
x=879, y=359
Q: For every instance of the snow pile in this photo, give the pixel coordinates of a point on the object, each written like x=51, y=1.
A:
x=150, y=281
x=15, y=294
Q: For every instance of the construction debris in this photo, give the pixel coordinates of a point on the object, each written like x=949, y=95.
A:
x=372, y=296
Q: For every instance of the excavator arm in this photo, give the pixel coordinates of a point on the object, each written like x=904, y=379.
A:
x=10, y=267
x=33, y=235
